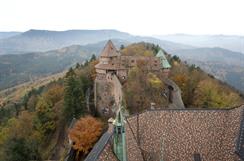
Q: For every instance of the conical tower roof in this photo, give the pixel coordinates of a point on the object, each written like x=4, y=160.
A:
x=163, y=60
x=109, y=50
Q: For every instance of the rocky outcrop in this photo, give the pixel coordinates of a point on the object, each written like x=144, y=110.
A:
x=174, y=95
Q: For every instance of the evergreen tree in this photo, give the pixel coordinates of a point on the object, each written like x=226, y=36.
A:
x=73, y=95
x=86, y=63
x=77, y=66
x=93, y=58
x=19, y=149
x=122, y=47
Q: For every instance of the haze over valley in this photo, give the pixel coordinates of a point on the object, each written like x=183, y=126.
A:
x=124, y=80
x=25, y=56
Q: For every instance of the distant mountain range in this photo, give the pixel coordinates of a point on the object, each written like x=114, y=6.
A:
x=224, y=56
x=4, y=35
x=224, y=64
x=19, y=68
x=37, y=53
x=234, y=43
x=43, y=40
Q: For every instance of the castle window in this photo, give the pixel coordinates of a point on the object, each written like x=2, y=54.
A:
x=132, y=61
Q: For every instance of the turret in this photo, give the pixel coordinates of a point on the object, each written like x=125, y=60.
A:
x=165, y=66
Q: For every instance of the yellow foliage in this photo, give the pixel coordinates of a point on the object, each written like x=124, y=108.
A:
x=139, y=49
x=21, y=127
x=148, y=53
x=154, y=81
x=210, y=94
x=54, y=94
x=181, y=80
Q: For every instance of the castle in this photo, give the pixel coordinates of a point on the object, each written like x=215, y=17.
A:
x=112, y=71
x=111, y=61
x=160, y=134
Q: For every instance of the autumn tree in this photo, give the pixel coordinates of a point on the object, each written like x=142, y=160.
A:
x=143, y=88
x=209, y=94
x=54, y=94
x=85, y=133
x=19, y=140
x=138, y=49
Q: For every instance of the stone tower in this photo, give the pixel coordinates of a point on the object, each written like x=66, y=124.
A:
x=107, y=60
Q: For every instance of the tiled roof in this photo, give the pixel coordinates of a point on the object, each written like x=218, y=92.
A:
x=181, y=134
x=109, y=50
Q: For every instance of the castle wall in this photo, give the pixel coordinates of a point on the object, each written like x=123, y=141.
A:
x=152, y=63
x=117, y=89
x=104, y=97
x=122, y=74
x=108, y=94
x=166, y=72
x=100, y=76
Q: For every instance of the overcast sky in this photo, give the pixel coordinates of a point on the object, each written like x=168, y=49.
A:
x=138, y=17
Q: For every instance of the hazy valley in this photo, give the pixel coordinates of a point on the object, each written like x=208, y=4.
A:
x=35, y=53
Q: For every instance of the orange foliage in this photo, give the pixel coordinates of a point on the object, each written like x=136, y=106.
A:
x=181, y=80
x=85, y=133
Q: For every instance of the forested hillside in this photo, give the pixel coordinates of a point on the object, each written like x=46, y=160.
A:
x=17, y=69
x=225, y=65
x=199, y=89
x=36, y=126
